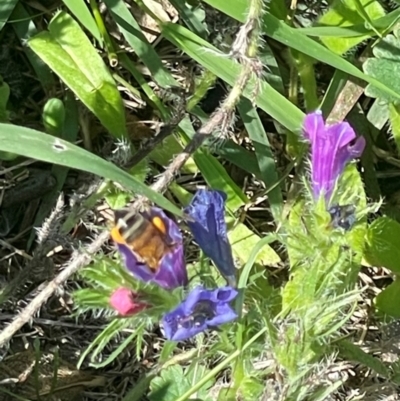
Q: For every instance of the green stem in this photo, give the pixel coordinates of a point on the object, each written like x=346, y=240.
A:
x=111, y=54
x=213, y=373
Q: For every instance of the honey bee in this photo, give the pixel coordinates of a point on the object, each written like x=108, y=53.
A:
x=146, y=236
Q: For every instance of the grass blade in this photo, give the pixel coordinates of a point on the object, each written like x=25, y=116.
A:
x=30, y=143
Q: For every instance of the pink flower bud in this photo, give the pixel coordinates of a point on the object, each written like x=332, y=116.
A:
x=126, y=302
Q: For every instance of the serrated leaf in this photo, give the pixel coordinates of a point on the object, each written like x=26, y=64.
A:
x=169, y=385
x=388, y=301
x=384, y=70
x=383, y=244
x=68, y=52
x=194, y=374
x=384, y=67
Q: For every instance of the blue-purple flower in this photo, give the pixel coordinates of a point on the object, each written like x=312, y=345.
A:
x=332, y=147
x=202, y=309
x=209, y=230
x=151, y=246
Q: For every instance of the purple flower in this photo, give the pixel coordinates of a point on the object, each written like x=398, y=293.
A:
x=209, y=230
x=332, y=147
x=151, y=246
x=201, y=310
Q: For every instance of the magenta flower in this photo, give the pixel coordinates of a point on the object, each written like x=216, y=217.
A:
x=202, y=309
x=209, y=230
x=151, y=246
x=332, y=147
x=126, y=302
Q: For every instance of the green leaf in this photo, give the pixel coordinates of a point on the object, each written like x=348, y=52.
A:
x=80, y=9
x=291, y=37
x=194, y=374
x=217, y=178
x=69, y=53
x=344, y=13
x=394, y=117
x=383, y=244
x=384, y=66
x=54, y=116
x=169, y=385
x=134, y=36
x=25, y=29
x=190, y=16
x=264, y=155
x=212, y=59
x=243, y=241
x=4, y=95
x=354, y=353
x=6, y=8
x=250, y=389
x=34, y=144
x=354, y=30
x=388, y=301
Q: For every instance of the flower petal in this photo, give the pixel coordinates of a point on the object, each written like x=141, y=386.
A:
x=332, y=147
x=202, y=309
x=209, y=230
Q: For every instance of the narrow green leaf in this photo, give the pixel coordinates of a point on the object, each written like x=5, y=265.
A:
x=190, y=16
x=30, y=143
x=353, y=30
x=264, y=155
x=81, y=11
x=134, y=36
x=212, y=59
x=354, y=353
x=291, y=37
x=68, y=51
x=349, y=12
x=25, y=29
x=217, y=178
x=244, y=276
x=6, y=8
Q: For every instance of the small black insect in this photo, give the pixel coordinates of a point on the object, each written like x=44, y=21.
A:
x=343, y=216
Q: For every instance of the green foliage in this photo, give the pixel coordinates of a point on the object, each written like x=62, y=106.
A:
x=54, y=116
x=382, y=244
x=294, y=298
x=384, y=66
x=349, y=13
x=66, y=50
x=31, y=143
x=388, y=300
x=173, y=381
